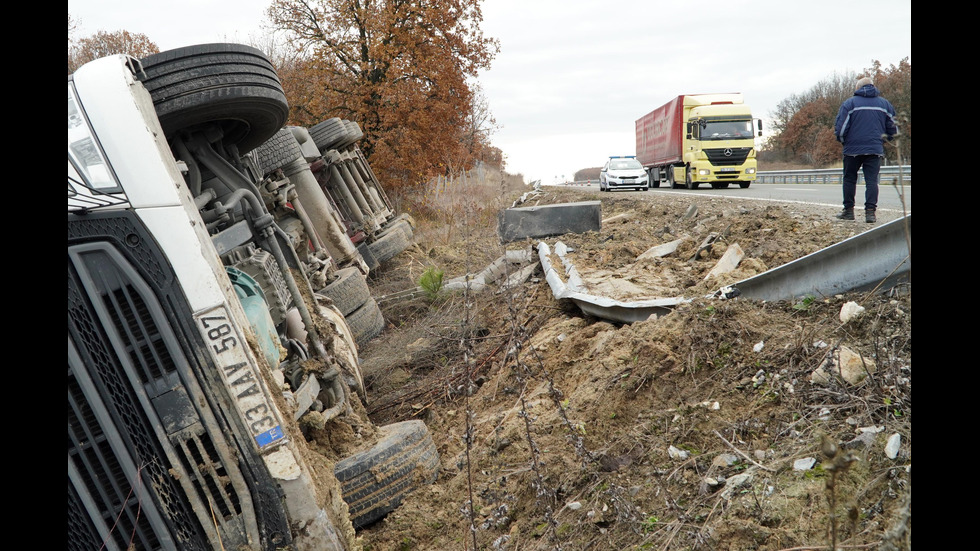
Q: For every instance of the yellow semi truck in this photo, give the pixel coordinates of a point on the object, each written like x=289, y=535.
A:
x=699, y=138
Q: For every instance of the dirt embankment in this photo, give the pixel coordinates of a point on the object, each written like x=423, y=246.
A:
x=561, y=431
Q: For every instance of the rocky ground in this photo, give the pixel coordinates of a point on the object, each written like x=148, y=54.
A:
x=704, y=429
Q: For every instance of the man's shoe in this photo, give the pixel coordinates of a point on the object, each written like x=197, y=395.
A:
x=846, y=214
x=869, y=216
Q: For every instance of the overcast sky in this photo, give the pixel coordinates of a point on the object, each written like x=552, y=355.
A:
x=572, y=76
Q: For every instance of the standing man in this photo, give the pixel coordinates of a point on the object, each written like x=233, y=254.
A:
x=864, y=122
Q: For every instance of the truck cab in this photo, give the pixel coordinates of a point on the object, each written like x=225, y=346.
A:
x=720, y=144
x=196, y=340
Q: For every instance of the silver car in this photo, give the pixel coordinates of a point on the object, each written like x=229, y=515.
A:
x=623, y=172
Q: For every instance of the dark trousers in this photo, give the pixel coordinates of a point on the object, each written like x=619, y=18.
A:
x=870, y=164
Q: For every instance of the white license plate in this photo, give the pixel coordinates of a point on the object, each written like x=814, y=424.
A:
x=727, y=170
x=240, y=376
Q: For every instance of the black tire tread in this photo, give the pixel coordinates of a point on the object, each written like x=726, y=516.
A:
x=386, y=246
x=230, y=84
x=366, y=322
x=348, y=291
x=328, y=133
x=278, y=151
x=375, y=481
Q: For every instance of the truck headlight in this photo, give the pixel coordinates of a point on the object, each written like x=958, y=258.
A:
x=704, y=171
x=750, y=171
x=84, y=150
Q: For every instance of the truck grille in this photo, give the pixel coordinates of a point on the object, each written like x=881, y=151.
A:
x=150, y=465
x=727, y=157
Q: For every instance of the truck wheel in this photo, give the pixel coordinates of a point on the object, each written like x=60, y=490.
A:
x=744, y=185
x=367, y=256
x=327, y=134
x=231, y=85
x=348, y=291
x=356, y=133
x=389, y=244
x=280, y=150
x=375, y=481
x=670, y=178
x=691, y=184
x=366, y=322
x=352, y=133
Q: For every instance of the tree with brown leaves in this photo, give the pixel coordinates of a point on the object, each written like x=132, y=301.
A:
x=804, y=123
x=400, y=68
x=105, y=43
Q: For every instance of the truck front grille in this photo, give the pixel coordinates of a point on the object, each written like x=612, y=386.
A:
x=727, y=157
x=152, y=463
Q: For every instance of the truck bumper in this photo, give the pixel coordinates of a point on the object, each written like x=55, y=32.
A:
x=711, y=173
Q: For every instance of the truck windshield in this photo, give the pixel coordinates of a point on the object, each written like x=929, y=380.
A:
x=726, y=130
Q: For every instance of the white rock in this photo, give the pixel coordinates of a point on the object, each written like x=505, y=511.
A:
x=734, y=483
x=758, y=346
x=850, y=311
x=728, y=261
x=677, y=453
x=893, y=445
x=845, y=363
x=574, y=505
x=804, y=464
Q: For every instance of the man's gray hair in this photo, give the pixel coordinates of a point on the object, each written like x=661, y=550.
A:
x=862, y=82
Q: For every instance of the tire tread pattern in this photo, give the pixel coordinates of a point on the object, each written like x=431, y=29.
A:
x=375, y=481
x=230, y=84
x=278, y=151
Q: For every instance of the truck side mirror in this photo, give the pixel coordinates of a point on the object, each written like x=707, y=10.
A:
x=759, y=122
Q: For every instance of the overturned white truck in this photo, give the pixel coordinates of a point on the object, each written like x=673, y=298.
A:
x=196, y=338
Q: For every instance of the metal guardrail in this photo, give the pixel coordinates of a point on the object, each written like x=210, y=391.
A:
x=827, y=175
x=809, y=176
x=878, y=258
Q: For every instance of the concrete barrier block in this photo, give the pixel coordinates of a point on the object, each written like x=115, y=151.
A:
x=549, y=220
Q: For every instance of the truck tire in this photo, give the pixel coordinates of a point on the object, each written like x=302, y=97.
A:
x=350, y=135
x=744, y=185
x=348, y=290
x=356, y=133
x=691, y=184
x=231, y=85
x=388, y=244
x=367, y=256
x=670, y=178
x=277, y=152
x=366, y=322
x=375, y=481
x=327, y=134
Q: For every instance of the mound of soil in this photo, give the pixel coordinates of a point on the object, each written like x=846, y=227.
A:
x=557, y=430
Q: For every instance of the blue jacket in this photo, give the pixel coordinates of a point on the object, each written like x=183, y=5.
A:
x=863, y=120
